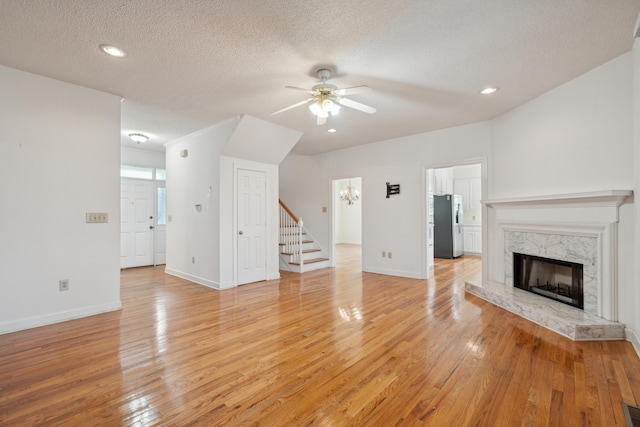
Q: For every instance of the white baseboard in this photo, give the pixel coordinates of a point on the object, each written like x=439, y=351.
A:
x=389, y=272
x=195, y=279
x=61, y=316
x=633, y=338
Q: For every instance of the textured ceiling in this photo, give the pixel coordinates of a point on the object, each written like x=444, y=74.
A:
x=194, y=63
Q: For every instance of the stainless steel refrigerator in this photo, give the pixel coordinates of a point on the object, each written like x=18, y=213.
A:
x=447, y=233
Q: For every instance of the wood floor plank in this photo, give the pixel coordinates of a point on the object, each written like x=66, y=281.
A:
x=331, y=347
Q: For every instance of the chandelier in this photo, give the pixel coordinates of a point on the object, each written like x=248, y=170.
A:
x=349, y=195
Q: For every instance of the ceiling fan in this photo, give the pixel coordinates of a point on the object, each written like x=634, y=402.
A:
x=326, y=98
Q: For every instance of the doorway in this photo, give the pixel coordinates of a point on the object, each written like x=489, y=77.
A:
x=468, y=180
x=347, y=216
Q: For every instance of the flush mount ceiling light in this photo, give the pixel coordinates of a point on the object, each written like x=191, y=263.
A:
x=332, y=130
x=138, y=137
x=113, y=51
x=489, y=90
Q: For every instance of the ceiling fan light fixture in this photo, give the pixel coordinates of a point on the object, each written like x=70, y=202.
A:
x=317, y=109
x=332, y=107
x=322, y=108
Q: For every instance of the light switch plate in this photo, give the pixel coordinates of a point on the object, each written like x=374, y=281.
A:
x=97, y=217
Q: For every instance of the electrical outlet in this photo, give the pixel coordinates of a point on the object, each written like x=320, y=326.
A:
x=389, y=255
x=64, y=285
x=384, y=254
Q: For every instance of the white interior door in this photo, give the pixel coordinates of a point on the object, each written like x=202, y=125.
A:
x=136, y=223
x=252, y=227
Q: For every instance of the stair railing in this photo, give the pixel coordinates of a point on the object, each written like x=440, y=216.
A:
x=291, y=233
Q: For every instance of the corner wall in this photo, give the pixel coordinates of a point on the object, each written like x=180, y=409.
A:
x=59, y=158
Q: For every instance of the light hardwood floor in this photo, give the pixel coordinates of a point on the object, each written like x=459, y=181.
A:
x=335, y=347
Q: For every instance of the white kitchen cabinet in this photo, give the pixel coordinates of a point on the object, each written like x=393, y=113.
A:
x=444, y=181
x=471, y=191
x=472, y=238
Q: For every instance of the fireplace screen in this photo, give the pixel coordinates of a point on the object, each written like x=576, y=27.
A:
x=555, y=279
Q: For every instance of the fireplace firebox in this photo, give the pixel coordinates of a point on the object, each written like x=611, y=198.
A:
x=556, y=279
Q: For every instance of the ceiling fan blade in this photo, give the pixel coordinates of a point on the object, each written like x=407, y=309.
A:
x=356, y=105
x=298, y=104
x=321, y=120
x=352, y=90
x=300, y=89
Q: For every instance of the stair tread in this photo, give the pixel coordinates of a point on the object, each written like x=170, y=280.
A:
x=311, y=261
x=305, y=251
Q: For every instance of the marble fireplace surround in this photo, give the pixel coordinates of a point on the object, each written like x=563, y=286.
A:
x=579, y=228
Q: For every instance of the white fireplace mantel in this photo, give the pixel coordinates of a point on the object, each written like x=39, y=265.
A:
x=593, y=198
x=613, y=198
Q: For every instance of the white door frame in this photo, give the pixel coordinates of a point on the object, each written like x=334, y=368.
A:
x=228, y=262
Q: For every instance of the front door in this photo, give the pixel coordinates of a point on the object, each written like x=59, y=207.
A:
x=136, y=223
x=252, y=226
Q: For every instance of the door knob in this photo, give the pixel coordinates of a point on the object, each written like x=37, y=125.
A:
x=240, y=232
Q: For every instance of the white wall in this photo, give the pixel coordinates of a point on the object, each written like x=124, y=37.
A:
x=574, y=138
x=195, y=180
x=391, y=225
x=140, y=157
x=59, y=158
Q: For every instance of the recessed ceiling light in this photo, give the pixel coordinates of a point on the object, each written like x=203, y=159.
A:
x=489, y=90
x=113, y=51
x=138, y=137
x=332, y=130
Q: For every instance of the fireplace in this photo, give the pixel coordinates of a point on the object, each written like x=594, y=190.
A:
x=552, y=278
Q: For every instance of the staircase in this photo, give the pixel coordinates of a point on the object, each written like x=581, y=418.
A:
x=298, y=250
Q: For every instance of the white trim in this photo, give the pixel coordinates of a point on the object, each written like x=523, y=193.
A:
x=390, y=272
x=62, y=316
x=632, y=337
x=196, y=279
x=589, y=199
